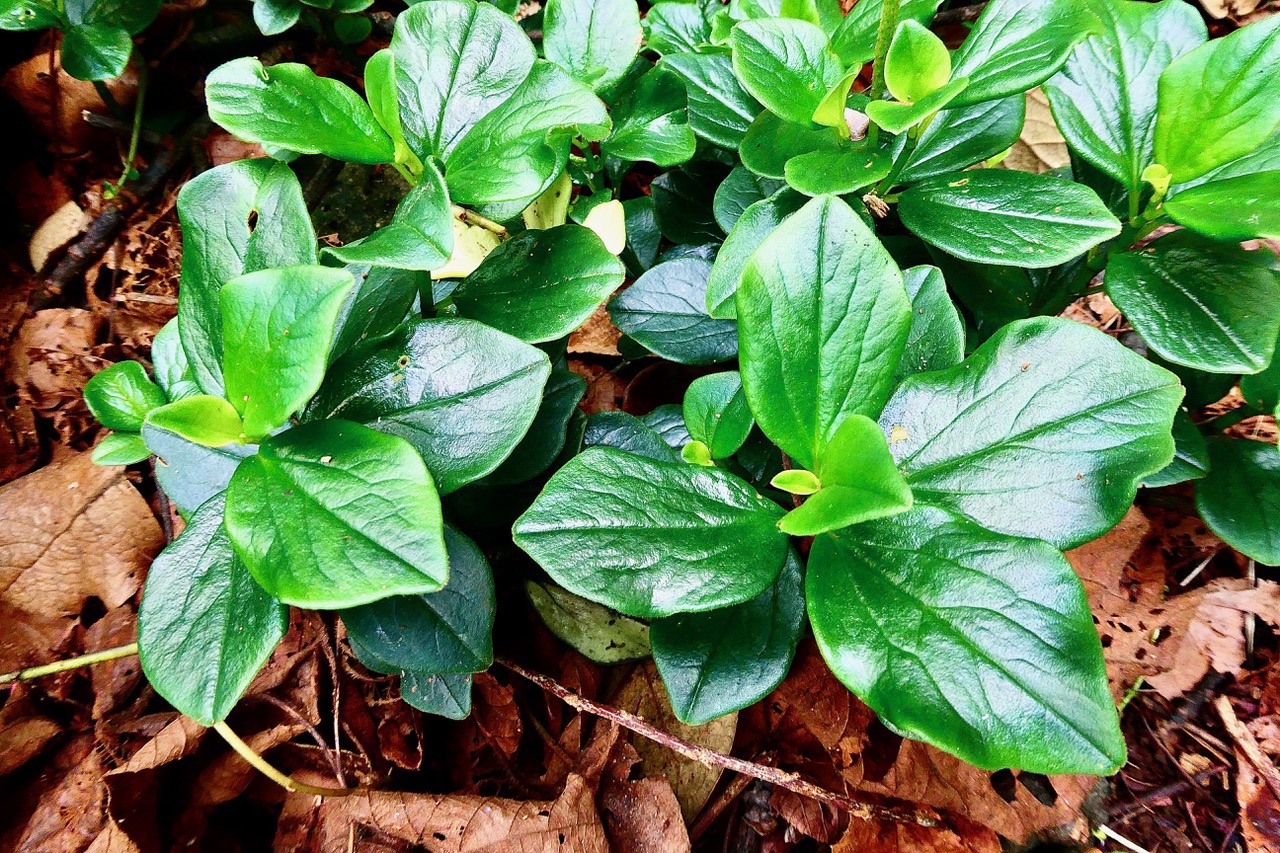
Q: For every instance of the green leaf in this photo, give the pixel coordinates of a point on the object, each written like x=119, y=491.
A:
x=120, y=396
x=277, y=325
x=959, y=137
x=603, y=635
x=446, y=631
x=215, y=210
x=204, y=420
x=651, y=122
x=720, y=110
x=668, y=422
x=333, y=514
x=1262, y=390
x=380, y=89
x=859, y=482
x=1044, y=432
x=696, y=453
x=205, y=627
x=771, y=143
x=169, y=360
x=908, y=607
x=844, y=169
x=854, y=40
x=455, y=62
x=131, y=15
x=652, y=538
x=643, y=235
x=717, y=414
x=1190, y=455
x=936, y=339
x=786, y=65
x=1008, y=218
x=189, y=473
x=757, y=222
x=275, y=16
x=120, y=448
x=446, y=695
x=676, y=27
x=721, y=661
x=823, y=319
x=664, y=311
x=737, y=193
x=419, y=237
x=541, y=285
x=896, y=118
x=545, y=440
x=622, y=431
x=1018, y=44
x=917, y=63
x=996, y=295
x=19, y=15
x=1234, y=209
x=382, y=299
x=1240, y=499
x=1226, y=88
x=1199, y=305
x=288, y=106
x=594, y=40
x=461, y=393
x=1104, y=98
x=684, y=203
x=96, y=51
x=796, y=481
x=352, y=29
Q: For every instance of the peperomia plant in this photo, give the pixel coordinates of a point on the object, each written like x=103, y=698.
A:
x=899, y=469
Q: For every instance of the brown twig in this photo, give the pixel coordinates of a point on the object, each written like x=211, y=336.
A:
x=1163, y=792
x=776, y=776
x=963, y=15
x=1247, y=745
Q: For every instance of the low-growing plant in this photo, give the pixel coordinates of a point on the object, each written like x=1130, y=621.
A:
x=898, y=469
x=339, y=17
x=97, y=35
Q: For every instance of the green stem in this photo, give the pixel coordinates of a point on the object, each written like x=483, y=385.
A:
x=136, y=132
x=898, y=165
x=884, y=37
x=264, y=767
x=109, y=99
x=404, y=173
x=56, y=667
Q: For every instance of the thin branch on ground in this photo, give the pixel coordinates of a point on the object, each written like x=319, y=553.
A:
x=1247, y=745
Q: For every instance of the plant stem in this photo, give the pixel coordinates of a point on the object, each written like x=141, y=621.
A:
x=472, y=218
x=884, y=37
x=56, y=667
x=709, y=757
x=109, y=99
x=262, y=766
x=137, y=122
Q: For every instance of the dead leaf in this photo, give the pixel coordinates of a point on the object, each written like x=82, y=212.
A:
x=1041, y=147
x=114, y=682
x=19, y=443
x=56, y=102
x=72, y=814
x=641, y=815
x=604, y=389
x=1234, y=9
x=955, y=836
x=72, y=530
x=53, y=356
x=62, y=226
x=224, y=148
x=453, y=824
x=1259, y=808
x=644, y=695
x=597, y=336
x=24, y=732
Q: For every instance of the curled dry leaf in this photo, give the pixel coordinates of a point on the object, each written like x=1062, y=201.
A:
x=597, y=336
x=53, y=356
x=1041, y=147
x=60, y=228
x=956, y=836
x=24, y=732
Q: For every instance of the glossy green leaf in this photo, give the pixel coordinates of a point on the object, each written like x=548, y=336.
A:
x=917, y=63
x=1018, y=44
x=1225, y=87
x=720, y=110
x=189, y=473
x=1262, y=390
x=716, y=413
x=998, y=216
x=785, y=65
x=1104, y=98
x=419, y=236
x=96, y=51
x=676, y=27
x=461, y=393
x=823, y=319
x=959, y=137
x=896, y=118
x=169, y=361
x=1199, y=305
x=771, y=142
x=1044, y=432
x=333, y=514
x=380, y=90
x=757, y=222
x=652, y=538
x=275, y=16
x=603, y=635
x=737, y=192
x=622, y=431
x=995, y=295
x=215, y=210
x=446, y=695
x=1240, y=499
x=545, y=440
x=594, y=40
x=796, y=481
x=383, y=297
x=684, y=203
x=205, y=627
x=665, y=312
x=120, y=448
x=541, y=285
x=133, y=16
x=860, y=482
x=696, y=453
x=1234, y=209
x=277, y=325
x=936, y=339
x=446, y=631
x=721, y=661
x=1190, y=455
x=288, y=106
x=19, y=15
x=978, y=643
x=844, y=169
x=651, y=122
x=120, y=396
x=668, y=422
x=205, y=420
x=643, y=235
x=854, y=39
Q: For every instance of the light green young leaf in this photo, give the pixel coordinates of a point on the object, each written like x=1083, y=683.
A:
x=594, y=40
x=120, y=448
x=120, y=396
x=896, y=118
x=1231, y=209
x=204, y=420
x=716, y=413
x=854, y=39
x=917, y=63
x=785, y=64
x=380, y=89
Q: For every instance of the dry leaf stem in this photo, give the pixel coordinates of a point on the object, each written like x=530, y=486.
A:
x=69, y=664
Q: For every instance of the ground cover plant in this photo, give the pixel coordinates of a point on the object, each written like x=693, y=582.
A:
x=892, y=437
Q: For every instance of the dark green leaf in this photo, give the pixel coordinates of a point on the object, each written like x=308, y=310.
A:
x=785, y=64
x=721, y=661
x=1190, y=455
x=676, y=27
x=999, y=216
x=594, y=40
x=1240, y=499
x=720, y=110
x=121, y=396
x=996, y=295
x=275, y=16
x=333, y=514
x=936, y=339
x=622, y=431
x=653, y=538
x=665, y=312
x=1235, y=209
x=651, y=122
x=96, y=51
x=1262, y=390
x=446, y=695
x=205, y=627
x=716, y=413
x=380, y=302
x=352, y=29
x=463, y=394
x=906, y=608
x=737, y=192
x=823, y=319
x=191, y=474
x=684, y=203
x=668, y=422
x=643, y=236
x=131, y=15
x=1044, y=432
x=756, y=223
x=546, y=437
x=957, y=138
x=419, y=237
x=19, y=15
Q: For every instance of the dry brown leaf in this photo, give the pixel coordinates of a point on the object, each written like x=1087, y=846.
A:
x=604, y=389
x=640, y=815
x=56, y=103
x=71, y=814
x=24, y=733
x=644, y=695
x=19, y=443
x=114, y=682
x=1041, y=147
x=598, y=336
x=62, y=226
x=72, y=530
x=28, y=639
x=453, y=824
x=955, y=836
x=1259, y=809
x=53, y=356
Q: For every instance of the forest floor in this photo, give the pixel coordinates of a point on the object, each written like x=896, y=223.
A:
x=93, y=760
